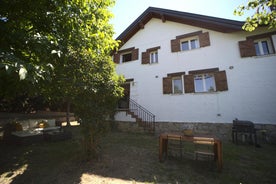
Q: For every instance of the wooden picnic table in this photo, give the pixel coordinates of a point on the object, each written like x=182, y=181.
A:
x=163, y=145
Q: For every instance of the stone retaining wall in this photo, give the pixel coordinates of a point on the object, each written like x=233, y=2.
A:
x=220, y=130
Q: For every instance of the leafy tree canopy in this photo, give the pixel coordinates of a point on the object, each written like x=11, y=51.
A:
x=264, y=14
x=60, y=47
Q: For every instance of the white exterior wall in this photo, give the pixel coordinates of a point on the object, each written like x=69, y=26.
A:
x=251, y=82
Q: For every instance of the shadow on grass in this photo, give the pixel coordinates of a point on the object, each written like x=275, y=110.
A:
x=44, y=162
x=130, y=158
x=134, y=157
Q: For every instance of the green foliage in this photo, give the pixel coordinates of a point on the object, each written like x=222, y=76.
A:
x=265, y=14
x=60, y=49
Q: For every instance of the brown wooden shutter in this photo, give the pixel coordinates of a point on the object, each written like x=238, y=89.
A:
x=145, y=58
x=221, y=81
x=189, y=83
x=167, y=85
x=247, y=48
x=175, y=45
x=204, y=39
x=135, y=54
x=116, y=58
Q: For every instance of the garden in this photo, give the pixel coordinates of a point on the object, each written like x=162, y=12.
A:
x=130, y=158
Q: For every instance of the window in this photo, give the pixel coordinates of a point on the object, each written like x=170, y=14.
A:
x=197, y=81
x=150, y=56
x=190, y=44
x=126, y=57
x=204, y=83
x=190, y=41
x=258, y=45
x=177, y=85
x=154, y=57
x=263, y=47
x=173, y=83
x=206, y=80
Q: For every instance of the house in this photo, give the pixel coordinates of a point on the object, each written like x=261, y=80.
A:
x=187, y=69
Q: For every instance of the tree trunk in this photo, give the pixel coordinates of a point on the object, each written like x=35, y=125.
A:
x=68, y=113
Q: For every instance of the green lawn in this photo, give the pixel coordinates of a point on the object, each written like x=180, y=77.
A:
x=131, y=158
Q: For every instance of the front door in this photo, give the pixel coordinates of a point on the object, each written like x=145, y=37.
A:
x=124, y=101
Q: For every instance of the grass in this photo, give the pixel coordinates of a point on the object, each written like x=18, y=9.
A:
x=130, y=158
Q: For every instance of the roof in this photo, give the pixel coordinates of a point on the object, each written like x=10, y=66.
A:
x=207, y=22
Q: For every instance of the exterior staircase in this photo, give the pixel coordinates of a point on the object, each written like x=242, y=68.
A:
x=143, y=117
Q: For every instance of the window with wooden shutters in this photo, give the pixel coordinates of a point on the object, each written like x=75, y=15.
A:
x=206, y=80
x=150, y=56
x=190, y=41
x=258, y=45
x=173, y=83
x=126, y=55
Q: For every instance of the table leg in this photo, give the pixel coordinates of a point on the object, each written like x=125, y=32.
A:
x=160, y=148
x=163, y=146
x=219, y=155
x=215, y=152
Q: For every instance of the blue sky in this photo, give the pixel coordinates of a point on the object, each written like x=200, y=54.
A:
x=126, y=11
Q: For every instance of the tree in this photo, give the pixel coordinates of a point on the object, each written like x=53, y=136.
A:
x=264, y=14
x=62, y=49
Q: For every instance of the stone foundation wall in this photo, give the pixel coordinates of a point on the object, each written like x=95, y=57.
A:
x=220, y=130
x=125, y=126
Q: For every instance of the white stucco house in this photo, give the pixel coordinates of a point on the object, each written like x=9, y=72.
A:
x=184, y=67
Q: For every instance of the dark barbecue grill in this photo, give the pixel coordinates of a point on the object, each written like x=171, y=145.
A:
x=245, y=128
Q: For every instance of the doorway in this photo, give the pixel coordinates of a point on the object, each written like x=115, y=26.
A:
x=124, y=101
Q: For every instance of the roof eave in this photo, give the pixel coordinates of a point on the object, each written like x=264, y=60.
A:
x=207, y=22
